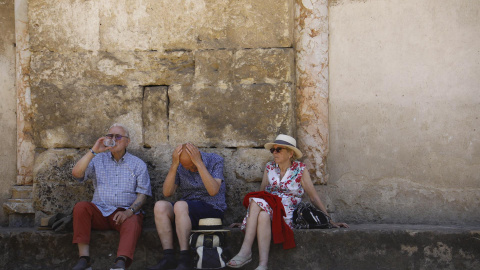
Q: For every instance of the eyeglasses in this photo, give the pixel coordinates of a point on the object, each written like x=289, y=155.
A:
x=278, y=149
x=118, y=137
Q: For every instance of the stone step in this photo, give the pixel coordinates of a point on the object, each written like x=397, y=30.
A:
x=368, y=246
x=19, y=206
x=22, y=192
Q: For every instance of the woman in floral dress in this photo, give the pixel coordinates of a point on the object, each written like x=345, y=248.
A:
x=289, y=180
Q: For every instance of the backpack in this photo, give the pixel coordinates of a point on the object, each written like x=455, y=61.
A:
x=307, y=216
x=209, y=250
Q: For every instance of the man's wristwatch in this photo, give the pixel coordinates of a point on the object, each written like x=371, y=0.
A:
x=133, y=210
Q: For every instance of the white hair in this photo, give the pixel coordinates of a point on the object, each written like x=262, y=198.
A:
x=125, y=129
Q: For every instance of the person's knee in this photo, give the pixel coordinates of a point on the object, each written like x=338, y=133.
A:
x=264, y=217
x=134, y=224
x=162, y=208
x=180, y=208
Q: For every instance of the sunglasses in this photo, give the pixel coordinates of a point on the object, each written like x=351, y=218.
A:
x=118, y=137
x=278, y=149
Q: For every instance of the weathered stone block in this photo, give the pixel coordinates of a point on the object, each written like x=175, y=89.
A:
x=159, y=25
x=21, y=220
x=240, y=116
x=214, y=67
x=55, y=190
x=117, y=68
x=76, y=116
x=261, y=24
x=250, y=164
x=258, y=66
x=65, y=25
x=155, y=115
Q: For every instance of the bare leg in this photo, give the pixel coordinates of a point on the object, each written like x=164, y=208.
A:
x=183, y=224
x=83, y=249
x=251, y=229
x=163, y=211
x=264, y=236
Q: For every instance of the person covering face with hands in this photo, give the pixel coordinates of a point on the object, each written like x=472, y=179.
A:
x=121, y=183
x=199, y=178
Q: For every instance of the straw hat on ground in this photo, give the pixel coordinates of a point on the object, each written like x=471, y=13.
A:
x=210, y=225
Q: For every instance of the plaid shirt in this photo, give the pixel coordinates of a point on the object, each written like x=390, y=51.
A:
x=191, y=186
x=117, y=183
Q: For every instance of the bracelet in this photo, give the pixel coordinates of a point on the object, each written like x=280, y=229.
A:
x=91, y=150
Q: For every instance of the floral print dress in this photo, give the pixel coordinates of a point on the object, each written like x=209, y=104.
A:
x=289, y=188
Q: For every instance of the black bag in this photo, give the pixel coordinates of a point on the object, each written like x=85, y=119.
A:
x=307, y=216
x=209, y=252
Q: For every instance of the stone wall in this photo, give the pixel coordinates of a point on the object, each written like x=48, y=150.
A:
x=219, y=74
x=404, y=111
x=8, y=169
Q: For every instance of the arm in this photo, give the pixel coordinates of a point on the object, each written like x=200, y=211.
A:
x=80, y=167
x=264, y=180
x=211, y=184
x=314, y=198
x=121, y=216
x=169, y=185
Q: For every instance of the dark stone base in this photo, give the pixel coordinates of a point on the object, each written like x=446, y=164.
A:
x=21, y=220
x=359, y=247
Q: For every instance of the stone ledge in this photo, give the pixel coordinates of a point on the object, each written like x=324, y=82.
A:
x=367, y=246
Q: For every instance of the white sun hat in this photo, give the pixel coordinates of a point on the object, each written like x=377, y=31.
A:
x=287, y=141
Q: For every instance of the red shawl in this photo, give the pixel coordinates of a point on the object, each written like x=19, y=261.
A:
x=281, y=232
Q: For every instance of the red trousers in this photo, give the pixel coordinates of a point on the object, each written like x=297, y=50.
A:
x=86, y=217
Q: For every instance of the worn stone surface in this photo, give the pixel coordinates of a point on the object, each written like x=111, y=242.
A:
x=159, y=25
x=259, y=66
x=404, y=111
x=25, y=141
x=212, y=116
x=390, y=247
x=112, y=68
x=155, y=115
x=357, y=199
x=311, y=45
x=59, y=122
x=55, y=189
x=214, y=67
x=7, y=104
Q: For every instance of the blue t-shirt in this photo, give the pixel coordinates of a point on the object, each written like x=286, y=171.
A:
x=191, y=186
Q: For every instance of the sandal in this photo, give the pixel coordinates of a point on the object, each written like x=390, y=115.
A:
x=239, y=261
x=261, y=267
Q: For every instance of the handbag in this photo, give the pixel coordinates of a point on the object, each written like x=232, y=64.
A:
x=307, y=216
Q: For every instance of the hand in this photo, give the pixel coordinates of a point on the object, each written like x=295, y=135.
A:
x=99, y=147
x=121, y=216
x=194, y=154
x=339, y=224
x=176, y=155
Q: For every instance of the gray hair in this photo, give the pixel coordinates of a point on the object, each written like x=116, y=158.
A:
x=125, y=129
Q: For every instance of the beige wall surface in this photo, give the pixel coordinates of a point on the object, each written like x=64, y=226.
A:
x=7, y=102
x=404, y=111
x=220, y=74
